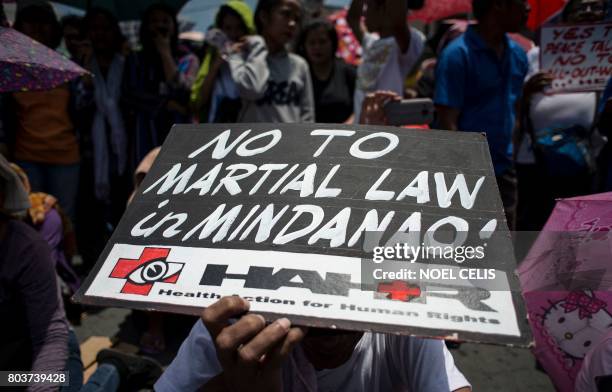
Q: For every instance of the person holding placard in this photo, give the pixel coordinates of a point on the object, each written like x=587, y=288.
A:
x=545, y=176
x=249, y=354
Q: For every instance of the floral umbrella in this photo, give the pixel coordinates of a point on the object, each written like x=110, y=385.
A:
x=26, y=65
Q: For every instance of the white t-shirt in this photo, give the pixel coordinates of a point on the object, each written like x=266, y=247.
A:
x=597, y=362
x=379, y=363
x=555, y=111
x=383, y=362
x=383, y=66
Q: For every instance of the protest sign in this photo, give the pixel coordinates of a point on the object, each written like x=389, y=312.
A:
x=361, y=228
x=579, y=56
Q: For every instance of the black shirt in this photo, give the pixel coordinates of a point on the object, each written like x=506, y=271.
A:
x=334, y=96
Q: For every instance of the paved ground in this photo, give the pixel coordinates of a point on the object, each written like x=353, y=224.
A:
x=489, y=368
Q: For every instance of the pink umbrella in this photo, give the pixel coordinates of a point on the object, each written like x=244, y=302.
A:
x=566, y=280
x=26, y=65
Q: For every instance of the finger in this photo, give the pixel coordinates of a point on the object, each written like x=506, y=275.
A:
x=273, y=334
x=240, y=333
x=216, y=316
x=281, y=351
x=388, y=93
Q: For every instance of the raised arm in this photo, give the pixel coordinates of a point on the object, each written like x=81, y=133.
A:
x=353, y=18
x=396, y=12
x=249, y=68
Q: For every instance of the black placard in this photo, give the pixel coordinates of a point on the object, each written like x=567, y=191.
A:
x=288, y=215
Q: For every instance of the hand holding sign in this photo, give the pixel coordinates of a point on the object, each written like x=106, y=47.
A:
x=250, y=352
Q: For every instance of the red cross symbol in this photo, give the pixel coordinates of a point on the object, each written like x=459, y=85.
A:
x=140, y=284
x=398, y=290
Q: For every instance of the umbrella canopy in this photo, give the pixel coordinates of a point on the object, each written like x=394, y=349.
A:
x=566, y=280
x=122, y=9
x=542, y=11
x=435, y=9
x=26, y=65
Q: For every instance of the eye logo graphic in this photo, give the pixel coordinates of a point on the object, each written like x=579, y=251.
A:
x=149, y=268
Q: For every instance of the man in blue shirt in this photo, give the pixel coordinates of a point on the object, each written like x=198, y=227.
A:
x=479, y=78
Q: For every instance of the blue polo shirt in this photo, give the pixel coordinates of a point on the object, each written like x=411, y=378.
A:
x=472, y=78
x=605, y=97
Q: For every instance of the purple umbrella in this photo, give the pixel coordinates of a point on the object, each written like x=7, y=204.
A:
x=26, y=65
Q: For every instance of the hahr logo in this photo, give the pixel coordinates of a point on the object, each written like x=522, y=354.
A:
x=142, y=273
x=340, y=284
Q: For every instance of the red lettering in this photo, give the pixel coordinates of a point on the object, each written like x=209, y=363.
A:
x=605, y=71
x=601, y=46
x=557, y=33
x=570, y=34
x=564, y=47
x=592, y=72
x=602, y=57
x=587, y=33
x=569, y=60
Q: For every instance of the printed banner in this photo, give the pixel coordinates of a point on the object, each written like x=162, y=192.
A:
x=579, y=56
x=360, y=228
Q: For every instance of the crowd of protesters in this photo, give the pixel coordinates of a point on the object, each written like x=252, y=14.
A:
x=78, y=151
